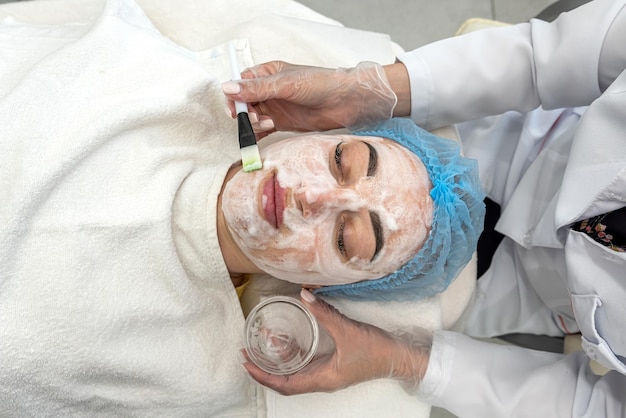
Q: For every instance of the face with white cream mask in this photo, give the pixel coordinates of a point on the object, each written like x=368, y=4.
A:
x=330, y=209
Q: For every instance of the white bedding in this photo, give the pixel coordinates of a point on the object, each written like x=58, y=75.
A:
x=271, y=29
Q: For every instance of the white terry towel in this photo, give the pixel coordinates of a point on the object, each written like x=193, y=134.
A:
x=101, y=142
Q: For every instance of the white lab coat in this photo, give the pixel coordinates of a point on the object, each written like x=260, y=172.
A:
x=548, y=170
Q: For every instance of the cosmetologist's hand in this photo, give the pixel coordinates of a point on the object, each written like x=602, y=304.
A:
x=303, y=98
x=363, y=352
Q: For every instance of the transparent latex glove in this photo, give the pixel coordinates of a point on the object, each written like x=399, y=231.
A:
x=363, y=352
x=289, y=97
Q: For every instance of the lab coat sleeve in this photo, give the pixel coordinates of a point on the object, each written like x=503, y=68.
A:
x=472, y=378
x=566, y=63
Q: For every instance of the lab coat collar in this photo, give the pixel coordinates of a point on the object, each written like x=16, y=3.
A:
x=594, y=181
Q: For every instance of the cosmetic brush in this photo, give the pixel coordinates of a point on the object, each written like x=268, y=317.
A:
x=250, y=157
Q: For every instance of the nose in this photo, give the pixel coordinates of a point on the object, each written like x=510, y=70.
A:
x=316, y=202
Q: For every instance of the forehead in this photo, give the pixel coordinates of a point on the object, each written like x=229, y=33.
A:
x=400, y=195
x=401, y=176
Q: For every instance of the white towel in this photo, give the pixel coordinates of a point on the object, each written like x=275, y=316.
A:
x=105, y=142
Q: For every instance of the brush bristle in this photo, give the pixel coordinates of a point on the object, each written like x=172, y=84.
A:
x=250, y=158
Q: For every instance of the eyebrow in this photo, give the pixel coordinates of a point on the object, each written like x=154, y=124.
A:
x=378, y=233
x=373, y=162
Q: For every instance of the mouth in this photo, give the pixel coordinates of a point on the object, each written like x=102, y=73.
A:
x=273, y=202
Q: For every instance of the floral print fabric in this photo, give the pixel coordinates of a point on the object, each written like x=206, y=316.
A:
x=608, y=229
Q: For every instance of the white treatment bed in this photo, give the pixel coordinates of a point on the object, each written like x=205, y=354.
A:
x=262, y=31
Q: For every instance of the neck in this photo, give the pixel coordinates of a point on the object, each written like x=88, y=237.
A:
x=235, y=260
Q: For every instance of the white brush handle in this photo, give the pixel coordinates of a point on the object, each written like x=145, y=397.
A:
x=236, y=75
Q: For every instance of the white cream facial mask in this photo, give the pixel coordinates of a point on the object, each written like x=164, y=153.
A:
x=284, y=217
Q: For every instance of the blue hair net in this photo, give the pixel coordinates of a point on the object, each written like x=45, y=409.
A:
x=458, y=219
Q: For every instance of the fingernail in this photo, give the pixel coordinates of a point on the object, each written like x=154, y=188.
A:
x=253, y=117
x=266, y=124
x=229, y=112
x=230, y=87
x=308, y=296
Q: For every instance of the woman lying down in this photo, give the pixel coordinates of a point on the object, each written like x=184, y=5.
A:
x=126, y=215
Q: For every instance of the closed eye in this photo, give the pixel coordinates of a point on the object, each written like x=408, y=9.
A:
x=338, y=152
x=340, y=240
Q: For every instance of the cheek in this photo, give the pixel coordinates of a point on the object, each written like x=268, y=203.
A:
x=292, y=249
x=240, y=208
x=287, y=256
x=303, y=160
x=298, y=258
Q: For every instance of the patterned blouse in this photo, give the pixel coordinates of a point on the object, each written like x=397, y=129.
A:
x=608, y=229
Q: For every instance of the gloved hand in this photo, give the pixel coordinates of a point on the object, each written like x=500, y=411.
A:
x=302, y=98
x=362, y=352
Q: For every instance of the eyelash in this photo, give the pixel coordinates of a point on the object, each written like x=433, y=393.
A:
x=340, y=243
x=338, y=151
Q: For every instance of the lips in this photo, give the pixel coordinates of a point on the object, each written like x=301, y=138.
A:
x=274, y=198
